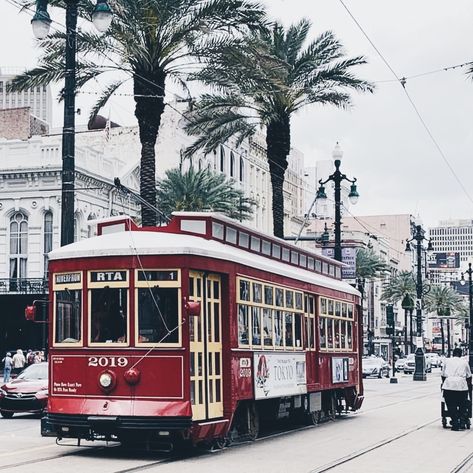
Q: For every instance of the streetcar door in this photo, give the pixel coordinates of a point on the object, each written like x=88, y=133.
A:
x=206, y=346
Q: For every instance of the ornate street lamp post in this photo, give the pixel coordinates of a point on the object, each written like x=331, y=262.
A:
x=338, y=177
x=41, y=22
x=469, y=271
x=419, y=237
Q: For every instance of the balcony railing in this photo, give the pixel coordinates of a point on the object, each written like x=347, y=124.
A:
x=23, y=286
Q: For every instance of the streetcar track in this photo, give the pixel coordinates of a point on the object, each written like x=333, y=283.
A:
x=364, y=451
x=465, y=465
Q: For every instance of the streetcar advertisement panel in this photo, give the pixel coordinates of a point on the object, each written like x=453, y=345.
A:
x=279, y=374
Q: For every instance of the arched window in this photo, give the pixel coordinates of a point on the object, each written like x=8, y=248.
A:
x=242, y=169
x=48, y=238
x=18, y=245
x=222, y=159
x=91, y=230
x=77, y=227
x=232, y=164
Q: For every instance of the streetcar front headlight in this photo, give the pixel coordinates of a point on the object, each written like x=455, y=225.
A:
x=106, y=380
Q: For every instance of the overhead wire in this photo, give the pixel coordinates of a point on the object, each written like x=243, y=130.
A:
x=414, y=106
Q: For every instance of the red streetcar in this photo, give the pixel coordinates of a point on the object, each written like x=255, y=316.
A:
x=196, y=332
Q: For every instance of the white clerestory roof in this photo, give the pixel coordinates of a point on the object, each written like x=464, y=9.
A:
x=142, y=243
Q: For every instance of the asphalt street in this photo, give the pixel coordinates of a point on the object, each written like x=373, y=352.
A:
x=398, y=429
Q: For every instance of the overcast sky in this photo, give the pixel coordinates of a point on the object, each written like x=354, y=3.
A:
x=399, y=170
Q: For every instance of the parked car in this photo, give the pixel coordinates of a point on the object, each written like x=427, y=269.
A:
x=434, y=359
x=410, y=364
x=26, y=393
x=374, y=366
x=399, y=365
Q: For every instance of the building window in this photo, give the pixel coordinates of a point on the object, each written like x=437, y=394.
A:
x=242, y=169
x=48, y=238
x=18, y=245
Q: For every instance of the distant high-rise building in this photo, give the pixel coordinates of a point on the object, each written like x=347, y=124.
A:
x=37, y=98
x=453, y=236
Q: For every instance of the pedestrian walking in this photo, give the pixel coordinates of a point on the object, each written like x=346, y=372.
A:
x=456, y=382
x=7, y=366
x=30, y=357
x=19, y=362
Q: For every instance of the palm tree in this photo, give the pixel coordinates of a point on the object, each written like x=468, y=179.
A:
x=151, y=41
x=446, y=302
x=260, y=82
x=402, y=287
x=202, y=191
x=368, y=267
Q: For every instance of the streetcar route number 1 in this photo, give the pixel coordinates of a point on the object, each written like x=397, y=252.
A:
x=108, y=361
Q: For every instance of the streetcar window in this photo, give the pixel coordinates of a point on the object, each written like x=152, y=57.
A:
x=324, y=268
x=318, y=266
x=255, y=243
x=285, y=254
x=344, y=310
x=217, y=230
x=68, y=316
x=266, y=247
x=256, y=326
x=350, y=335
x=158, y=318
x=323, y=333
x=298, y=300
x=323, y=306
x=108, y=323
x=329, y=333
x=257, y=293
x=279, y=297
x=290, y=299
x=243, y=326
x=267, y=327
x=337, y=309
x=350, y=311
x=244, y=240
x=330, y=307
x=244, y=290
x=289, y=329
x=331, y=270
x=276, y=251
x=343, y=334
x=303, y=261
x=268, y=295
x=298, y=330
x=337, y=333
x=310, y=263
x=278, y=328
x=294, y=257
x=231, y=235
x=338, y=272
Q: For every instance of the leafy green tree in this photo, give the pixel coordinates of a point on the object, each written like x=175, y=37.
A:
x=202, y=191
x=369, y=265
x=152, y=41
x=399, y=286
x=260, y=82
x=446, y=302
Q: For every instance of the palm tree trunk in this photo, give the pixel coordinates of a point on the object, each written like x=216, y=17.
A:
x=278, y=145
x=149, y=98
x=449, y=348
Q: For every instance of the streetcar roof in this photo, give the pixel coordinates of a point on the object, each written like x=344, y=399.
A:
x=130, y=243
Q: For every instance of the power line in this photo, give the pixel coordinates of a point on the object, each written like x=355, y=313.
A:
x=402, y=82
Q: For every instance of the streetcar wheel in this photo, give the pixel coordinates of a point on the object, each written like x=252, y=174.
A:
x=6, y=414
x=444, y=422
x=313, y=418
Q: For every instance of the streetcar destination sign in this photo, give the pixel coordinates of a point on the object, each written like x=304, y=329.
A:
x=67, y=278
x=108, y=276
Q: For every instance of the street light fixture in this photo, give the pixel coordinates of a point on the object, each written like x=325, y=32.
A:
x=419, y=237
x=469, y=271
x=337, y=177
x=41, y=22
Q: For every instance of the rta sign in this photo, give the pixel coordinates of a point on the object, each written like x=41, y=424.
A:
x=108, y=276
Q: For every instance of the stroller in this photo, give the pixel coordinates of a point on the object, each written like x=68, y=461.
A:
x=465, y=418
